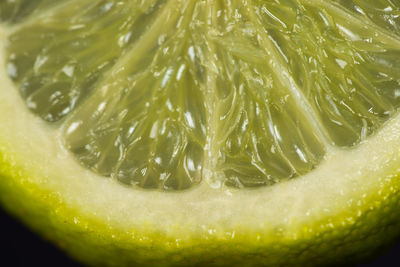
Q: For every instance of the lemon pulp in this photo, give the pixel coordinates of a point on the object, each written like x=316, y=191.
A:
x=165, y=94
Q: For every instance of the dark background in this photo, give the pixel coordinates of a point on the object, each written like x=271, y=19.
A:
x=20, y=247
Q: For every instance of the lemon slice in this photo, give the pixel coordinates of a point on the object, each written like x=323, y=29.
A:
x=202, y=132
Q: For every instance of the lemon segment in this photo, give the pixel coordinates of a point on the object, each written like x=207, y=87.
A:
x=336, y=194
x=170, y=94
x=220, y=111
x=335, y=199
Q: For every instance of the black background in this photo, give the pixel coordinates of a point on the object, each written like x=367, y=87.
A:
x=21, y=247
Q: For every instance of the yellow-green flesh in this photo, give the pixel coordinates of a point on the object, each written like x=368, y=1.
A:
x=170, y=94
x=251, y=102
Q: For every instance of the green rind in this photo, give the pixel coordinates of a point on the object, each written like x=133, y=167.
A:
x=329, y=240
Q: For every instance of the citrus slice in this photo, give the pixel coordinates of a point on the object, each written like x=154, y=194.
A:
x=203, y=132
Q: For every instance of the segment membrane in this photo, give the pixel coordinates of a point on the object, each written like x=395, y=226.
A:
x=157, y=93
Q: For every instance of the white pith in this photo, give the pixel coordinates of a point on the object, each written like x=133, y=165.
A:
x=342, y=181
